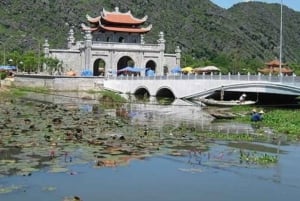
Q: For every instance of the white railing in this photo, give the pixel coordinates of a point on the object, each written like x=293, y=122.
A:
x=294, y=80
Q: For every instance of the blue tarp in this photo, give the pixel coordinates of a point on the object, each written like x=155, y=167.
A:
x=8, y=68
x=86, y=73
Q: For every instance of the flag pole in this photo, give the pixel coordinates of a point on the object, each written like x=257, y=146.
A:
x=280, y=50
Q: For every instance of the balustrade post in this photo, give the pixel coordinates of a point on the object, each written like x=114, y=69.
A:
x=248, y=76
x=294, y=75
x=229, y=76
x=239, y=75
x=280, y=77
x=220, y=75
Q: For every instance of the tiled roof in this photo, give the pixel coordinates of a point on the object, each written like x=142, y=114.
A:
x=126, y=29
x=116, y=22
x=121, y=18
x=275, y=62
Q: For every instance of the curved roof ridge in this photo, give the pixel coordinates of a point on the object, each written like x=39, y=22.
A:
x=126, y=29
x=85, y=28
x=123, y=18
x=93, y=19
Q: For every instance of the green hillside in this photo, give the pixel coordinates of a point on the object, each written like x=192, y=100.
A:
x=244, y=36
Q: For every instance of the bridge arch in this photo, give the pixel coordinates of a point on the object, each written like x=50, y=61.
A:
x=165, y=92
x=142, y=91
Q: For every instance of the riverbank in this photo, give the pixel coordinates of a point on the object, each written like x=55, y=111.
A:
x=59, y=83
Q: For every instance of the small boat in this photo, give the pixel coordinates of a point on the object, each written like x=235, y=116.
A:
x=213, y=102
x=220, y=115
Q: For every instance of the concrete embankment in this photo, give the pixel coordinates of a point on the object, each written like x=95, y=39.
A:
x=59, y=83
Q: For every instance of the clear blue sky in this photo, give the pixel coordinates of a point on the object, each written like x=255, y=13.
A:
x=293, y=4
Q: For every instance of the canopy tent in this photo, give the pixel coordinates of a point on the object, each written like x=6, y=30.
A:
x=8, y=68
x=132, y=69
x=206, y=69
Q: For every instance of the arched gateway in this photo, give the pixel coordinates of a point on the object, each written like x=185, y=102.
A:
x=113, y=41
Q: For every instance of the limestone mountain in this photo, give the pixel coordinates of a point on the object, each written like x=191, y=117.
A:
x=203, y=30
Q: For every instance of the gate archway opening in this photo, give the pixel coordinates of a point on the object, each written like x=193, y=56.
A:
x=150, y=67
x=124, y=62
x=99, y=68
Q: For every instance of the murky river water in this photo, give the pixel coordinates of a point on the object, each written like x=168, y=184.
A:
x=168, y=166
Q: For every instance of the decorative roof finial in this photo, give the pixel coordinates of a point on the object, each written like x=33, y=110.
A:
x=177, y=50
x=142, y=39
x=161, y=38
x=71, y=37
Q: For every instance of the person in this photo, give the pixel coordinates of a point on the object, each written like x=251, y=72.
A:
x=222, y=93
x=261, y=113
x=257, y=116
x=242, y=97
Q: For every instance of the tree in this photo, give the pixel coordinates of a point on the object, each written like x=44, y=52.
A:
x=52, y=64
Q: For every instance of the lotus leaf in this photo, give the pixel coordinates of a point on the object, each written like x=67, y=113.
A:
x=49, y=188
x=9, y=189
x=58, y=169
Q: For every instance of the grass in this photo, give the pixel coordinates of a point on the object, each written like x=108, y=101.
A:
x=281, y=121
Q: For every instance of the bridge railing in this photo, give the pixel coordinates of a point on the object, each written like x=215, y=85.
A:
x=292, y=80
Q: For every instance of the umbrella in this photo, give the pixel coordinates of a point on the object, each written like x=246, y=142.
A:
x=176, y=69
x=86, y=73
x=71, y=73
x=187, y=69
x=150, y=73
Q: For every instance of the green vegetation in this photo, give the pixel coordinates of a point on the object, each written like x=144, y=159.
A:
x=259, y=159
x=3, y=75
x=239, y=39
x=111, y=99
x=30, y=61
x=281, y=121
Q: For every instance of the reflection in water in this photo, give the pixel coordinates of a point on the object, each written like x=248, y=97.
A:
x=108, y=164
x=182, y=167
x=151, y=111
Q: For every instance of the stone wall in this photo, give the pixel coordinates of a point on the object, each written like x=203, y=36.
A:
x=60, y=83
x=71, y=59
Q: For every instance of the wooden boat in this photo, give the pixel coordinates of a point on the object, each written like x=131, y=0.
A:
x=213, y=102
x=221, y=115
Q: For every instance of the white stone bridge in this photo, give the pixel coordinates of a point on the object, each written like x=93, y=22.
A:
x=192, y=86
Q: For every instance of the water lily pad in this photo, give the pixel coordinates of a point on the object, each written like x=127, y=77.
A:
x=58, y=169
x=49, y=188
x=9, y=189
